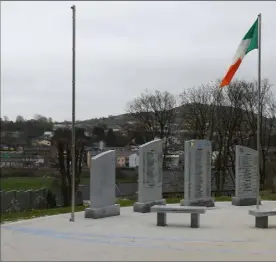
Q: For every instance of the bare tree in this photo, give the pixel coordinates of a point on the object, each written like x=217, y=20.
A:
x=61, y=149
x=197, y=108
x=5, y=118
x=155, y=112
x=40, y=118
x=136, y=132
x=267, y=117
x=228, y=117
x=227, y=122
x=20, y=118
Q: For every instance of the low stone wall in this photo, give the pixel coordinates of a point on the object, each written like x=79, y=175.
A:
x=34, y=199
x=16, y=201
x=173, y=183
x=129, y=190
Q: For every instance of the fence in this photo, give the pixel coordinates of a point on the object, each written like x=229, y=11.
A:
x=16, y=201
x=173, y=184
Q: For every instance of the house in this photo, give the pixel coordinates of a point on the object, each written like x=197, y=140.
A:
x=61, y=125
x=172, y=161
x=99, y=145
x=48, y=134
x=134, y=160
x=44, y=143
x=20, y=159
x=41, y=152
x=121, y=161
x=38, y=142
x=88, y=133
x=122, y=155
x=11, y=159
x=122, y=158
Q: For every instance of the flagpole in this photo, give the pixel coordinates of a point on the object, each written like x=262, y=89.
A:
x=259, y=111
x=73, y=158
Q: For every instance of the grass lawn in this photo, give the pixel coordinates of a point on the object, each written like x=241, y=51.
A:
x=14, y=216
x=267, y=195
x=26, y=183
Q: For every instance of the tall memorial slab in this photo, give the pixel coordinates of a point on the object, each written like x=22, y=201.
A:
x=246, y=177
x=150, y=176
x=197, y=174
x=102, y=186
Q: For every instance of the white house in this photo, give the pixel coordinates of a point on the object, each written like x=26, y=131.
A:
x=172, y=160
x=44, y=143
x=133, y=160
x=48, y=134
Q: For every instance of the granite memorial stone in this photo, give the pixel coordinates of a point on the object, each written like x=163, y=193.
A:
x=150, y=176
x=102, y=186
x=197, y=174
x=246, y=177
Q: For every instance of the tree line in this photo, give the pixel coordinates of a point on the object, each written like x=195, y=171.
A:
x=28, y=129
x=227, y=117
x=35, y=127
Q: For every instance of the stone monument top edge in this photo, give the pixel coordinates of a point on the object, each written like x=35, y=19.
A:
x=198, y=140
x=247, y=149
x=102, y=154
x=151, y=142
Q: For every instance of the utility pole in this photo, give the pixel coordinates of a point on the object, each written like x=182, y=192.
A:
x=73, y=158
x=259, y=110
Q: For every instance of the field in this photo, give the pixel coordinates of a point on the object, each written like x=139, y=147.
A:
x=26, y=183
x=24, y=179
x=54, y=211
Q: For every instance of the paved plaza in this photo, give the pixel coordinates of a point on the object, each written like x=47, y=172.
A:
x=227, y=233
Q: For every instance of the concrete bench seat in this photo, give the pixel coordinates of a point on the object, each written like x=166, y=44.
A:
x=163, y=210
x=261, y=217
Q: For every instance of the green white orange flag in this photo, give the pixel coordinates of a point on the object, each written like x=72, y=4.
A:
x=248, y=43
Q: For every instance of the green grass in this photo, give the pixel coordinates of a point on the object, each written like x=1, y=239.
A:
x=14, y=216
x=173, y=200
x=28, y=183
x=223, y=198
x=125, y=202
x=86, y=180
x=24, y=183
x=267, y=195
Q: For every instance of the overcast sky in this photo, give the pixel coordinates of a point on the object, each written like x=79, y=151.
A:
x=123, y=48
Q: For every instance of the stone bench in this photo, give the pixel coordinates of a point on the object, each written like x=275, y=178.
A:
x=261, y=217
x=163, y=210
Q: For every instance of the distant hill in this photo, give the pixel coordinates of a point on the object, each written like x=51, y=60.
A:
x=116, y=121
x=110, y=121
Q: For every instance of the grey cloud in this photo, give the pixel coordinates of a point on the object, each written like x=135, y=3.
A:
x=122, y=49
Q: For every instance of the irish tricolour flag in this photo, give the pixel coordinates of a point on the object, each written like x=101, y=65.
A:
x=248, y=43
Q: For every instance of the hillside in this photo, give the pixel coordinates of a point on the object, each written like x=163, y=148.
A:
x=115, y=122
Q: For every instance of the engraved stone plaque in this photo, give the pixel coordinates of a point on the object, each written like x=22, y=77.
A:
x=197, y=173
x=246, y=176
x=150, y=175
